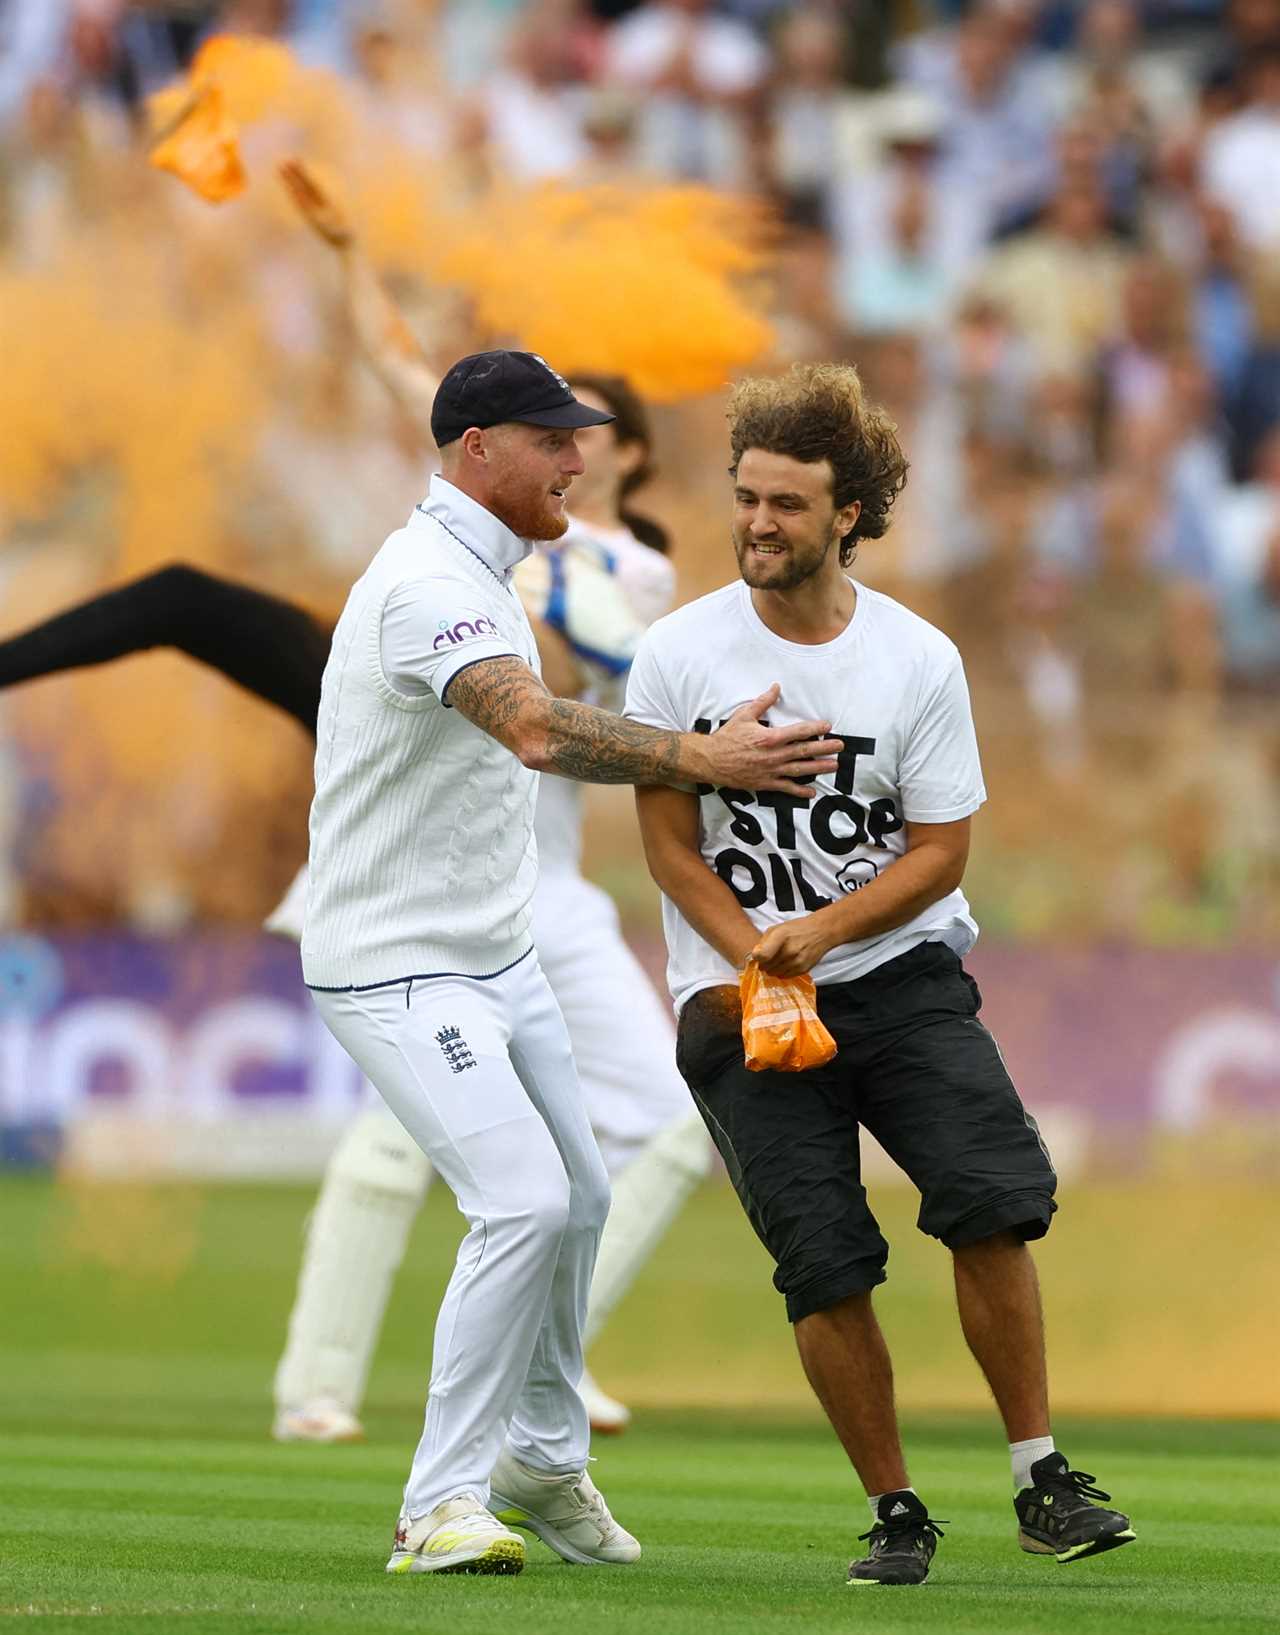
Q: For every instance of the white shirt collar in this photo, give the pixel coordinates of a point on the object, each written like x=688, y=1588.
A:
x=483, y=534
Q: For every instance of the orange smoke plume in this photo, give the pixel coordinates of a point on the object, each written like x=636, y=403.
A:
x=650, y=282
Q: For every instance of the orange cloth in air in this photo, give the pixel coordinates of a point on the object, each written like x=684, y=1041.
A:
x=203, y=148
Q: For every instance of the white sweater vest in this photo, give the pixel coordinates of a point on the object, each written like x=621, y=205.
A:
x=422, y=856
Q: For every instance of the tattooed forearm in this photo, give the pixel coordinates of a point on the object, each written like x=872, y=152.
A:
x=505, y=698
x=494, y=693
x=597, y=747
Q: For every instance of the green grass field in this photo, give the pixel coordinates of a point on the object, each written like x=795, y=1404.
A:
x=138, y=1490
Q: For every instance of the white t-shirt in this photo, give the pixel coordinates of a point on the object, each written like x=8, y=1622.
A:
x=893, y=688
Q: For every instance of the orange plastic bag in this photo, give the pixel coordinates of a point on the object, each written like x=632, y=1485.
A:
x=781, y=1028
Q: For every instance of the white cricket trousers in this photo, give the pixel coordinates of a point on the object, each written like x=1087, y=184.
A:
x=480, y=1073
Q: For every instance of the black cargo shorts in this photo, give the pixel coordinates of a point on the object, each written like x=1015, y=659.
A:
x=916, y=1068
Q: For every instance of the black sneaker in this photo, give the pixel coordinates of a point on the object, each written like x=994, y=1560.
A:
x=1056, y=1515
x=902, y=1543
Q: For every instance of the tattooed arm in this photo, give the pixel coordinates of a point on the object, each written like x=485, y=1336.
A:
x=507, y=700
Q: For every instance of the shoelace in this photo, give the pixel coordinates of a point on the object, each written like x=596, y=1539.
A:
x=1079, y=1483
x=592, y=1501
x=883, y=1531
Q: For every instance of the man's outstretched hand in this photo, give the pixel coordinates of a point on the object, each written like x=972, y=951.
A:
x=316, y=204
x=745, y=754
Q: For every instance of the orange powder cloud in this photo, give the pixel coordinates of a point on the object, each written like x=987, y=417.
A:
x=651, y=282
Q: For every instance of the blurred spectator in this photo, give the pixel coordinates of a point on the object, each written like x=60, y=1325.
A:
x=267, y=17
x=1082, y=157
x=1062, y=282
x=401, y=95
x=898, y=284
x=936, y=529
x=533, y=105
x=1242, y=154
x=1249, y=577
x=32, y=39
x=1123, y=616
x=45, y=177
x=1250, y=26
x=1222, y=313
x=1198, y=474
x=1137, y=92
x=1135, y=364
x=986, y=365
x=997, y=130
x=893, y=209
x=1254, y=407
x=697, y=72
x=807, y=100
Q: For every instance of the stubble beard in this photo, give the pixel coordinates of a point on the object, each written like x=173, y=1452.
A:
x=797, y=568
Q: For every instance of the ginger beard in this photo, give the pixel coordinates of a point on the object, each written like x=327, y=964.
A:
x=528, y=482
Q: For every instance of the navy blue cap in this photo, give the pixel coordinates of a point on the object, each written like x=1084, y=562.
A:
x=489, y=388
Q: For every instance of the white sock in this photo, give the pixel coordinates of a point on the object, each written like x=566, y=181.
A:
x=873, y=1499
x=1024, y=1455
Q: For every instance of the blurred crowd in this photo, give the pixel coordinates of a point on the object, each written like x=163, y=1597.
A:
x=1048, y=232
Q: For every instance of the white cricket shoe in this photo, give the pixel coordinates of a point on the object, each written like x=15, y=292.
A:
x=608, y=1417
x=458, y=1536
x=320, y=1421
x=568, y=1513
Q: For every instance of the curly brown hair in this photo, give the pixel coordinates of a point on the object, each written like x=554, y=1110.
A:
x=818, y=411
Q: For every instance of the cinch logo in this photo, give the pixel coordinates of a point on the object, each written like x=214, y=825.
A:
x=451, y=635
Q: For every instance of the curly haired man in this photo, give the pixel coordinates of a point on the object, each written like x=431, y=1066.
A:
x=861, y=887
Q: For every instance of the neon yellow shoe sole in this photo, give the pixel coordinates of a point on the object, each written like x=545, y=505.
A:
x=504, y=1557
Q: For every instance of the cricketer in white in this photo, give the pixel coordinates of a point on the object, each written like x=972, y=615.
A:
x=417, y=944
x=607, y=587
x=599, y=588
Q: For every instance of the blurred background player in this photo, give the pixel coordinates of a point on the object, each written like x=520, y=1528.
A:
x=590, y=595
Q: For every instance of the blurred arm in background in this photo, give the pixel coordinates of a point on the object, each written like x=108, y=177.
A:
x=399, y=362
x=385, y=339
x=270, y=647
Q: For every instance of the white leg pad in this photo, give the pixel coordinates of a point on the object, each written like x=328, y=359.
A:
x=647, y=1196
x=373, y=1187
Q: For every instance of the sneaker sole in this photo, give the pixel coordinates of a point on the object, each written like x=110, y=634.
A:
x=511, y=1515
x=320, y=1441
x=1077, y=1552
x=887, y=1583
x=503, y=1558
